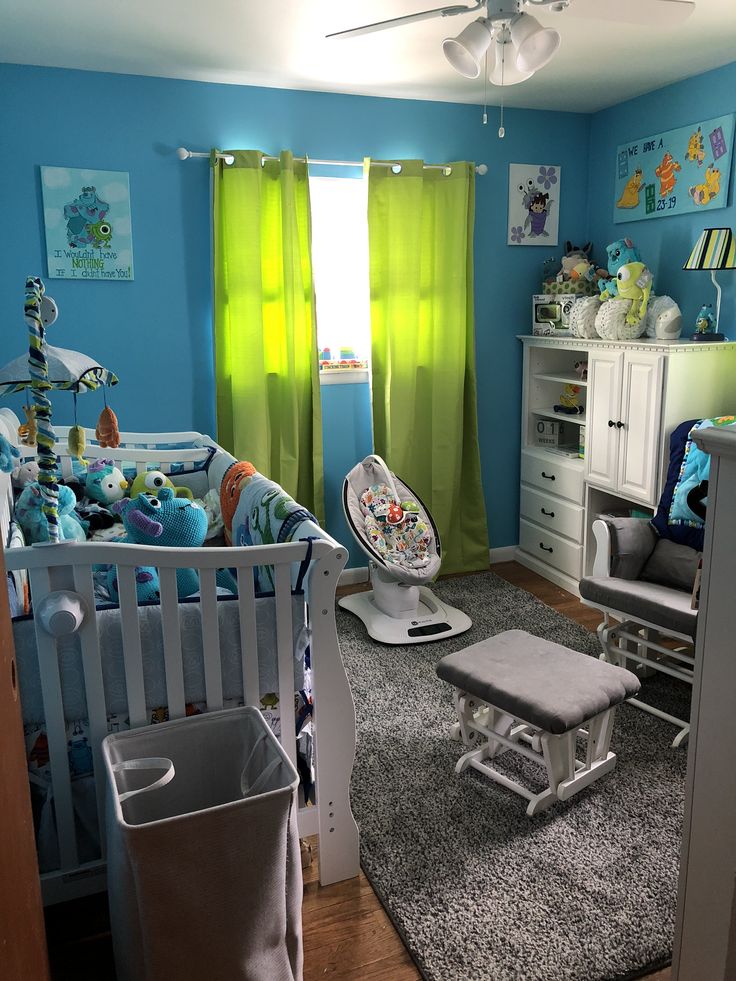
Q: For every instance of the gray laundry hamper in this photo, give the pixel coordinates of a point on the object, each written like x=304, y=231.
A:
x=204, y=872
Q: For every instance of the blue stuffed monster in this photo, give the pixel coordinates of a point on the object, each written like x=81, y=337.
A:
x=164, y=520
x=620, y=253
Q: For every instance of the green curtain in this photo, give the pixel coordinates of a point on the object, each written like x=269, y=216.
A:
x=420, y=226
x=266, y=370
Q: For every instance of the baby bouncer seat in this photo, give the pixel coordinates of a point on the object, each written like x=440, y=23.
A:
x=400, y=538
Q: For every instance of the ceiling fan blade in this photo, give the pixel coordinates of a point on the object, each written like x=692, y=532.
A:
x=655, y=13
x=383, y=25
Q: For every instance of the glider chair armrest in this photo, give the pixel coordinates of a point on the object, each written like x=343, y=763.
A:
x=623, y=546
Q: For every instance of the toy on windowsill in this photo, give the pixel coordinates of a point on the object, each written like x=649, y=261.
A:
x=568, y=403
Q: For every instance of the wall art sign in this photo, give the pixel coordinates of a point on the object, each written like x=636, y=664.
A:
x=534, y=204
x=87, y=219
x=676, y=172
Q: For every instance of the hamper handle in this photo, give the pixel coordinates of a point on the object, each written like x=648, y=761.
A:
x=147, y=763
x=250, y=790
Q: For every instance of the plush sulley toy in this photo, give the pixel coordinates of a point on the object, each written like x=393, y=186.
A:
x=32, y=520
x=152, y=481
x=8, y=455
x=164, y=520
x=619, y=254
x=104, y=482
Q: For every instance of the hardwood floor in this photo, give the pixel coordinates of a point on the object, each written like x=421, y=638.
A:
x=347, y=934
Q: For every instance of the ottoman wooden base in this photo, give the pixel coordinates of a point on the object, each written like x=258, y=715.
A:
x=512, y=689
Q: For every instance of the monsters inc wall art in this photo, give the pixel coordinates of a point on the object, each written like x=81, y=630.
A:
x=534, y=204
x=87, y=219
x=676, y=172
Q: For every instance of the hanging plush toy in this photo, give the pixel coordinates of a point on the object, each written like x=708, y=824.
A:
x=27, y=431
x=77, y=443
x=107, y=432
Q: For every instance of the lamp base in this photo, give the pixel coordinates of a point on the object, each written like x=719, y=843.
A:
x=709, y=337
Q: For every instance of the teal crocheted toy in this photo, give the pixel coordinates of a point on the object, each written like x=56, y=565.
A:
x=163, y=520
x=32, y=520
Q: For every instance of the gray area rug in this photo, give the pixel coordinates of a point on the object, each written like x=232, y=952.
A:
x=479, y=892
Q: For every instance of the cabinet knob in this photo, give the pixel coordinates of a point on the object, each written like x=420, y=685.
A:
x=619, y=425
x=611, y=423
x=550, y=514
x=545, y=548
x=548, y=476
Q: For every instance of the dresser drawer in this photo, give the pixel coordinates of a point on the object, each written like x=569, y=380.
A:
x=553, y=513
x=561, y=477
x=548, y=547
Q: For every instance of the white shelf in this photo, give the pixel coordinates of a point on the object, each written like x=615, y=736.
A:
x=563, y=378
x=550, y=413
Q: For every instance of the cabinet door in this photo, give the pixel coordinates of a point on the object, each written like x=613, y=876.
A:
x=602, y=413
x=641, y=406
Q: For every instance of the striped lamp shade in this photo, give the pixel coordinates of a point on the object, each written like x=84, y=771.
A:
x=715, y=249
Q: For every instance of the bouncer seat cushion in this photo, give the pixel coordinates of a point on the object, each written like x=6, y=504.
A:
x=406, y=541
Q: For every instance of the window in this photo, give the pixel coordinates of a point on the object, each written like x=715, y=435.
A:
x=340, y=269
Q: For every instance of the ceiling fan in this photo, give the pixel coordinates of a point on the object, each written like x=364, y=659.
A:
x=514, y=41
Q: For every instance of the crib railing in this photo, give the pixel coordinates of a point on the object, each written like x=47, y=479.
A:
x=67, y=568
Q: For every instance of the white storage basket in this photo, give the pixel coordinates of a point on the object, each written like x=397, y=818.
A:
x=204, y=872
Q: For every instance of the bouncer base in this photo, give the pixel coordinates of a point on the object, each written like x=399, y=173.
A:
x=432, y=620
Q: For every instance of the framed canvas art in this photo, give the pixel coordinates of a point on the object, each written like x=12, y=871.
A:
x=87, y=220
x=534, y=204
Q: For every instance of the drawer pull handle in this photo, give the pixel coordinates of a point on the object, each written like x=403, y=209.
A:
x=545, y=548
x=548, y=476
x=619, y=425
x=550, y=514
x=611, y=423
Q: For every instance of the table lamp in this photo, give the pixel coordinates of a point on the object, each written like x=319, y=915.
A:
x=715, y=249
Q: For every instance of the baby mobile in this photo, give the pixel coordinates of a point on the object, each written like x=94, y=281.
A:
x=49, y=368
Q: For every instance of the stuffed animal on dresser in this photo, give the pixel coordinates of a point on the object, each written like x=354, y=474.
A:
x=164, y=520
x=32, y=520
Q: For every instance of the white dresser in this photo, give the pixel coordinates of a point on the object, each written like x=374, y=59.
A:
x=635, y=394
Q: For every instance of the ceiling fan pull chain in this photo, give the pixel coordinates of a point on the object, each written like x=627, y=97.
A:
x=501, y=130
x=485, y=92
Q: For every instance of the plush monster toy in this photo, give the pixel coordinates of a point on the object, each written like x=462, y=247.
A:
x=105, y=482
x=152, y=481
x=164, y=520
x=32, y=520
x=619, y=254
x=8, y=455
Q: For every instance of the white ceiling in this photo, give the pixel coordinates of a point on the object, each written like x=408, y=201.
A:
x=283, y=45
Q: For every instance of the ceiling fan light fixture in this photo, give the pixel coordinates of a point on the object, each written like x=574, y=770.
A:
x=507, y=73
x=465, y=52
x=535, y=46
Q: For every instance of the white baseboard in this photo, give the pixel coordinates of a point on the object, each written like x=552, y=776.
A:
x=350, y=576
x=505, y=554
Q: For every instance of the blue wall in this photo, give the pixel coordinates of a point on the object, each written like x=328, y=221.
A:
x=155, y=331
x=665, y=243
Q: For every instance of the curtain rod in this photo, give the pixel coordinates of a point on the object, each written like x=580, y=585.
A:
x=185, y=154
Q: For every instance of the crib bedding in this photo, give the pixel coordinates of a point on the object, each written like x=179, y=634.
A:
x=112, y=657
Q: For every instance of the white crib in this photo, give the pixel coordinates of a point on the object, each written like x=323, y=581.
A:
x=69, y=566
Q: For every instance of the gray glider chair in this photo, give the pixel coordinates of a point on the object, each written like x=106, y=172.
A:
x=644, y=582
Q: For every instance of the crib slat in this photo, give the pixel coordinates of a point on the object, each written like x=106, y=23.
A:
x=94, y=687
x=248, y=637
x=132, y=656
x=285, y=646
x=53, y=707
x=172, y=643
x=210, y=639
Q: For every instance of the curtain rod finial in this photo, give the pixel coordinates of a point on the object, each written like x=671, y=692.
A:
x=481, y=169
x=182, y=153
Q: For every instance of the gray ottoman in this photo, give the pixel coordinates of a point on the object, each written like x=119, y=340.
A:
x=518, y=692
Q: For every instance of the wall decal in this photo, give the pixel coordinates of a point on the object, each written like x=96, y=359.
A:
x=87, y=219
x=534, y=204
x=676, y=172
